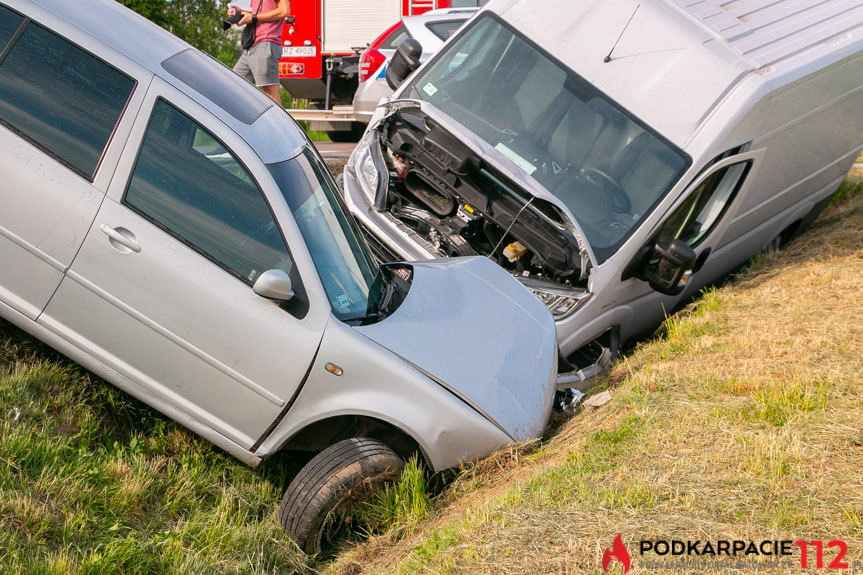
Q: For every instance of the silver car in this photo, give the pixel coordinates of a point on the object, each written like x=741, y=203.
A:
x=431, y=30
x=614, y=162
x=168, y=227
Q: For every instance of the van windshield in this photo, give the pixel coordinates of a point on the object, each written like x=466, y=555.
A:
x=607, y=167
x=350, y=275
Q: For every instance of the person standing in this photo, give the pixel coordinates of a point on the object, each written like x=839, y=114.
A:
x=260, y=63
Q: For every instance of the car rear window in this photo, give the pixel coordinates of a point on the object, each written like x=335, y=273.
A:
x=395, y=38
x=61, y=98
x=445, y=29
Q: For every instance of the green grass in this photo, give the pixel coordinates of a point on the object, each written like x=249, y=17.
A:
x=92, y=481
x=402, y=506
x=848, y=189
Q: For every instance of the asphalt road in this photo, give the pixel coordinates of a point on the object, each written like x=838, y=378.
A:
x=334, y=149
x=335, y=155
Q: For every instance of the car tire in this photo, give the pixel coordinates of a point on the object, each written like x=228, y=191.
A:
x=341, y=475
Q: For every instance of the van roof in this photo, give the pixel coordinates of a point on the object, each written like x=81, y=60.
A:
x=249, y=112
x=674, y=61
x=764, y=32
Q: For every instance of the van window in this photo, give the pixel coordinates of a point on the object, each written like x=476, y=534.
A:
x=187, y=182
x=605, y=165
x=693, y=220
x=61, y=98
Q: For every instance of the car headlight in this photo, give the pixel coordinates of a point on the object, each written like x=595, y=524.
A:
x=560, y=301
x=367, y=173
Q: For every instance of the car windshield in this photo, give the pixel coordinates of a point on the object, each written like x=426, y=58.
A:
x=342, y=259
x=605, y=165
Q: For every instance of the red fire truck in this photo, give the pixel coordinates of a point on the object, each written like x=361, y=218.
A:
x=320, y=52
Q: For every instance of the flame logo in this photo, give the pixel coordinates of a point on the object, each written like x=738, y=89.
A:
x=619, y=552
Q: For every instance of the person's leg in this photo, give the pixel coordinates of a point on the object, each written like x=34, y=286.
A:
x=243, y=69
x=273, y=92
x=264, y=59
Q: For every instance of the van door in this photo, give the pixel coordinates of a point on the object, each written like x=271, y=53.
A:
x=59, y=106
x=699, y=219
x=162, y=288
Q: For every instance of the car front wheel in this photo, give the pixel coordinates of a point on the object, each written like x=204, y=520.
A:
x=339, y=477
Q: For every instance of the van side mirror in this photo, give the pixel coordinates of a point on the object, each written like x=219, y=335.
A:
x=274, y=284
x=404, y=62
x=672, y=271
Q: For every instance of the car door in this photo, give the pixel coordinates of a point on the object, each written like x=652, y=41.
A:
x=162, y=287
x=61, y=112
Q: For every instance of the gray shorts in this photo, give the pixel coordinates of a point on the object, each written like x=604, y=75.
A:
x=260, y=64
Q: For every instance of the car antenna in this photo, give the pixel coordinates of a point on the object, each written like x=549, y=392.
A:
x=608, y=58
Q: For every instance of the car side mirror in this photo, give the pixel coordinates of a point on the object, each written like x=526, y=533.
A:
x=274, y=284
x=404, y=62
x=674, y=268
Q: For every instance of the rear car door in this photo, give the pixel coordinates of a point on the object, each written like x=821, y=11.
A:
x=61, y=110
x=162, y=287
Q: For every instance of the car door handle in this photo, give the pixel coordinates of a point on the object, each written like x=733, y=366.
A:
x=121, y=239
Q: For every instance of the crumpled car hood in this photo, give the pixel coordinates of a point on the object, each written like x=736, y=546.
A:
x=471, y=327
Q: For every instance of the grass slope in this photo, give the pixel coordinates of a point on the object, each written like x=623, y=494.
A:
x=743, y=419
x=92, y=481
x=740, y=420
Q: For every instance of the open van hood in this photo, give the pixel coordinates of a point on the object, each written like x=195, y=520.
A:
x=458, y=180
x=482, y=311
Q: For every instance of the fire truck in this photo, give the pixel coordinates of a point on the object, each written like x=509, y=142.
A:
x=320, y=53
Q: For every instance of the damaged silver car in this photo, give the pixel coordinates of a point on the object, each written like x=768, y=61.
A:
x=171, y=229
x=614, y=161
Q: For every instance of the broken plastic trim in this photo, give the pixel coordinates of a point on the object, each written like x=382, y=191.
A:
x=579, y=380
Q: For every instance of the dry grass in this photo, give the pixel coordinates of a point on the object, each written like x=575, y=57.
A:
x=741, y=421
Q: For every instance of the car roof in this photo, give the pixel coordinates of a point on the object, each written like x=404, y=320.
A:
x=673, y=62
x=273, y=134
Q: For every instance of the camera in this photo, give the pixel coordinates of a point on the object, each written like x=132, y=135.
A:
x=231, y=20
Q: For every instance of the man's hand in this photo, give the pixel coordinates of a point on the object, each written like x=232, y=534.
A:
x=234, y=9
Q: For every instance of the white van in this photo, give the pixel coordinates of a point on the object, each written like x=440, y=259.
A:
x=613, y=155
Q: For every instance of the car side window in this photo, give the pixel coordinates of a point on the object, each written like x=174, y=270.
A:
x=9, y=22
x=61, y=98
x=189, y=184
x=695, y=218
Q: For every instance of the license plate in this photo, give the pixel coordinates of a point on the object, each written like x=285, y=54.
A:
x=299, y=51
